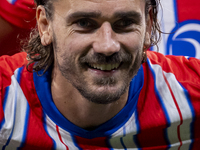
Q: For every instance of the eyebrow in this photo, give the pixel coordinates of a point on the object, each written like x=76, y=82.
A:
x=128, y=14
x=83, y=14
x=96, y=14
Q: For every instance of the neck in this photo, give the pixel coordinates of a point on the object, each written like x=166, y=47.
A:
x=77, y=109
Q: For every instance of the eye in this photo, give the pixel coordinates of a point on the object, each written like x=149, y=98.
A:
x=123, y=24
x=86, y=23
x=83, y=23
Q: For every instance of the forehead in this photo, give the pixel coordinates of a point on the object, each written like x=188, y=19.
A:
x=104, y=7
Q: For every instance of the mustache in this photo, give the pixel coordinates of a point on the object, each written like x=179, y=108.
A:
x=99, y=58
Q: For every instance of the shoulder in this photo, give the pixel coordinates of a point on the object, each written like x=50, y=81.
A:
x=179, y=73
x=8, y=64
x=159, y=58
x=178, y=65
x=172, y=62
x=13, y=62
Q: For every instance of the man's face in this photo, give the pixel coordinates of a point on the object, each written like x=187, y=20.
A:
x=98, y=45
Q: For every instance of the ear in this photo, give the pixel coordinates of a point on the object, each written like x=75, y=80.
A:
x=44, y=26
x=147, y=41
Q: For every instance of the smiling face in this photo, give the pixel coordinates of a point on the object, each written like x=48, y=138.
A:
x=98, y=45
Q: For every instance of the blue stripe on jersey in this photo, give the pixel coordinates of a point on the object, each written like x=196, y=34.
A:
x=193, y=115
x=108, y=142
x=161, y=102
x=75, y=143
x=167, y=140
x=45, y=128
x=4, y=105
x=138, y=130
x=121, y=139
x=45, y=97
x=25, y=126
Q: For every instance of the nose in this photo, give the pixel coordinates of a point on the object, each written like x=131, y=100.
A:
x=105, y=41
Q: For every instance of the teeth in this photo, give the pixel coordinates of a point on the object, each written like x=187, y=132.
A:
x=106, y=67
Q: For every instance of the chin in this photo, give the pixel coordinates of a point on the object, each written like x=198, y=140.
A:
x=104, y=94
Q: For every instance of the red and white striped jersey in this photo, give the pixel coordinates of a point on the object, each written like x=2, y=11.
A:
x=162, y=110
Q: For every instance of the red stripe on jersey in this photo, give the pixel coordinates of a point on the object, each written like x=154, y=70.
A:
x=194, y=93
x=196, y=126
x=36, y=137
x=187, y=72
x=188, y=10
x=57, y=129
x=98, y=143
x=151, y=116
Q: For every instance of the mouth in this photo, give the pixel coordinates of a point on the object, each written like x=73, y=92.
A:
x=104, y=67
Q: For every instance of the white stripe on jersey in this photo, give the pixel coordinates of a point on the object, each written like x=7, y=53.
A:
x=186, y=144
x=183, y=105
x=125, y=134
x=170, y=107
x=115, y=140
x=168, y=103
x=66, y=136
x=15, y=115
x=67, y=139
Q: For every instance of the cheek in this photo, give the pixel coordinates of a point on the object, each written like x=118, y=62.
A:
x=70, y=50
x=78, y=44
x=132, y=43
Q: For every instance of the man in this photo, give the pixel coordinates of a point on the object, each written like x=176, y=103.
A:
x=17, y=18
x=89, y=85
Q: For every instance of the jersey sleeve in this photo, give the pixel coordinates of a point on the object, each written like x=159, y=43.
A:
x=186, y=72
x=185, y=69
x=20, y=13
x=8, y=64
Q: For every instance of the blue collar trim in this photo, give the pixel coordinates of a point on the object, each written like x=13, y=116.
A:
x=43, y=89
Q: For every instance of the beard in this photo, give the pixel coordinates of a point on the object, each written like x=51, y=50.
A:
x=99, y=90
